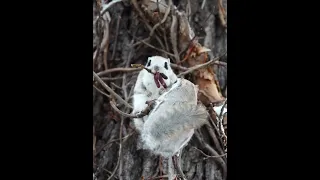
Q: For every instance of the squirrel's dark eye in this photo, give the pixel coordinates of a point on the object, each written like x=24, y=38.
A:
x=149, y=63
x=166, y=65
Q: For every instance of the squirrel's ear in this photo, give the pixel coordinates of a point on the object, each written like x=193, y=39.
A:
x=168, y=60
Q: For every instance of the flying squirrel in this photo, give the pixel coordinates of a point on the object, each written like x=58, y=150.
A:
x=151, y=82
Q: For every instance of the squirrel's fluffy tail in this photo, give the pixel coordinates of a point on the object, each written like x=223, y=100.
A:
x=172, y=120
x=184, y=117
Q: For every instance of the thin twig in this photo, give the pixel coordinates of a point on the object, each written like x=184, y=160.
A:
x=220, y=63
x=116, y=38
x=136, y=6
x=206, y=155
x=203, y=3
x=194, y=37
x=165, y=40
x=217, y=141
x=159, y=177
x=163, y=20
x=188, y=9
x=94, y=143
x=214, y=153
x=107, y=6
x=173, y=34
x=157, y=48
x=178, y=158
x=106, y=34
x=140, y=115
x=101, y=91
x=175, y=66
x=182, y=68
x=200, y=66
x=220, y=121
x=109, y=172
x=124, y=80
x=102, y=73
x=213, y=124
x=187, y=47
x=120, y=150
x=105, y=44
x=116, y=86
x=110, y=78
x=222, y=108
x=222, y=14
x=158, y=9
x=98, y=34
x=105, y=145
x=130, y=93
x=95, y=55
x=110, y=90
x=120, y=112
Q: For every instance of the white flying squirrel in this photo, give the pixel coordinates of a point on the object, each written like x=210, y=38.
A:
x=148, y=87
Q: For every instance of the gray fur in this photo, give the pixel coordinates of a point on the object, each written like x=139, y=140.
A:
x=171, y=124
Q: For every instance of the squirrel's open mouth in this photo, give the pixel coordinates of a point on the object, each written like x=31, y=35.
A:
x=158, y=79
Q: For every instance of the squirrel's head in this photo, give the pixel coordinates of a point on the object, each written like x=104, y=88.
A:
x=161, y=65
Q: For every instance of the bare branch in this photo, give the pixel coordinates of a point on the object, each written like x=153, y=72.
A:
x=101, y=91
x=182, y=68
x=178, y=67
x=110, y=90
x=111, y=78
x=203, y=3
x=116, y=38
x=222, y=108
x=206, y=155
x=107, y=6
x=222, y=14
x=216, y=139
x=163, y=20
x=165, y=40
x=102, y=73
x=109, y=172
x=143, y=41
x=200, y=66
x=116, y=86
x=136, y=6
x=220, y=63
x=173, y=34
x=105, y=44
x=124, y=139
x=120, y=150
x=140, y=115
x=214, y=153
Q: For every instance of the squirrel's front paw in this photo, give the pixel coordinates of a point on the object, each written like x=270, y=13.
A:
x=151, y=102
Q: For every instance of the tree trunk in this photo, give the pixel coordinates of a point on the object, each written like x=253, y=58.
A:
x=122, y=158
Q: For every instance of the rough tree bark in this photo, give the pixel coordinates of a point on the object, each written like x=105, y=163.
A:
x=117, y=44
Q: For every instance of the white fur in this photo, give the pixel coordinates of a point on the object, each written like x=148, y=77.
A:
x=145, y=88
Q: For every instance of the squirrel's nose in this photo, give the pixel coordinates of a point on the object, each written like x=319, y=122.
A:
x=156, y=68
